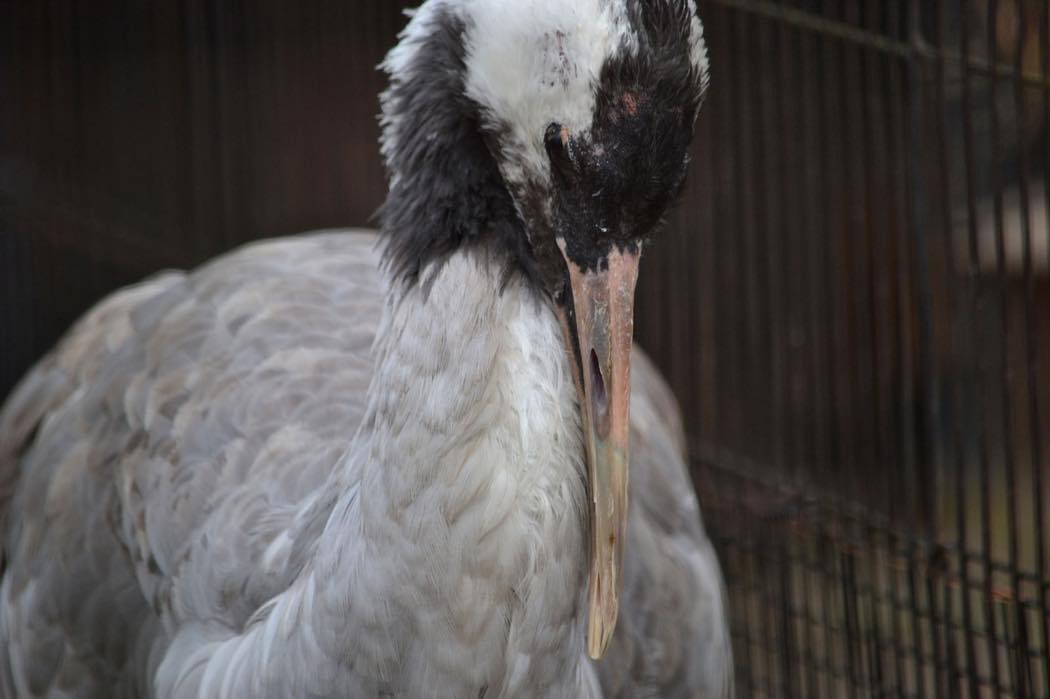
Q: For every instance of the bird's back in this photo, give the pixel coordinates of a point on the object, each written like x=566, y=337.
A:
x=169, y=462
x=153, y=464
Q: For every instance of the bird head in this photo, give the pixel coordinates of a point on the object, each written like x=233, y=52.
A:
x=553, y=134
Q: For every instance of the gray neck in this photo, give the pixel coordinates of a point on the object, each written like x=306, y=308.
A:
x=455, y=557
x=476, y=493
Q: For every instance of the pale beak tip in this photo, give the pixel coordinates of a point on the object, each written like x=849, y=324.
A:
x=599, y=634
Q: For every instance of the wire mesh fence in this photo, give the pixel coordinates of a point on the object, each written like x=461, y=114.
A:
x=852, y=302
x=868, y=241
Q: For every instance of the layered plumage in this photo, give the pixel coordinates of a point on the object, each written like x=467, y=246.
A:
x=298, y=471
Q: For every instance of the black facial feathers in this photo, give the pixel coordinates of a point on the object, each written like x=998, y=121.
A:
x=446, y=190
x=632, y=165
x=664, y=55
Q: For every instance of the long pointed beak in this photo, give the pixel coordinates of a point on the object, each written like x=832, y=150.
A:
x=601, y=330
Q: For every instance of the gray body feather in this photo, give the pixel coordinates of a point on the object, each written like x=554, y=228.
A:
x=201, y=496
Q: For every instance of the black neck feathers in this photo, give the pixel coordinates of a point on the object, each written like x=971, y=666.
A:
x=446, y=190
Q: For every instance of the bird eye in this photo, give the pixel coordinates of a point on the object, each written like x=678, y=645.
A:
x=556, y=141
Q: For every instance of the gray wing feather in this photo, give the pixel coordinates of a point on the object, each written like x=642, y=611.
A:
x=63, y=586
x=180, y=426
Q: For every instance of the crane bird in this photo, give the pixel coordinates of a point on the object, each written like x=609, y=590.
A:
x=315, y=468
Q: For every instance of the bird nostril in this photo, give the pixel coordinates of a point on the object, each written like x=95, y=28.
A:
x=599, y=395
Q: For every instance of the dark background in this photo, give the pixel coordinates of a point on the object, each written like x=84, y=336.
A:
x=852, y=302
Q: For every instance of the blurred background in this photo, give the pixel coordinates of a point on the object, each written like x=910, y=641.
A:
x=852, y=303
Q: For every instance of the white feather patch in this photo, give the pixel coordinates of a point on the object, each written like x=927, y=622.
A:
x=533, y=63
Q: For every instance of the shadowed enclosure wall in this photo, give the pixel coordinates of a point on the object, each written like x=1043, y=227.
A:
x=852, y=302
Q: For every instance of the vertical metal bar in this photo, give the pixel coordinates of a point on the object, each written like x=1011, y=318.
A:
x=827, y=558
x=788, y=237
x=896, y=611
x=918, y=265
x=704, y=308
x=774, y=267
x=718, y=388
x=914, y=557
x=878, y=498
x=770, y=630
x=815, y=272
x=874, y=556
x=828, y=121
x=749, y=204
x=1023, y=661
x=809, y=683
x=1024, y=654
x=840, y=339
x=1006, y=375
x=744, y=235
x=847, y=585
x=937, y=621
x=732, y=411
x=862, y=287
x=838, y=391
x=848, y=220
x=916, y=621
x=888, y=568
x=974, y=312
x=815, y=269
x=790, y=656
x=1032, y=359
x=1011, y=654
x=877, y=218
x=855, y=237
x=733, y=329
x=896, y=454
x=919, y=262
x=878, y=233
x=803, y=330
x=1035, y=424
x=767, y=223
x=952, y=309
